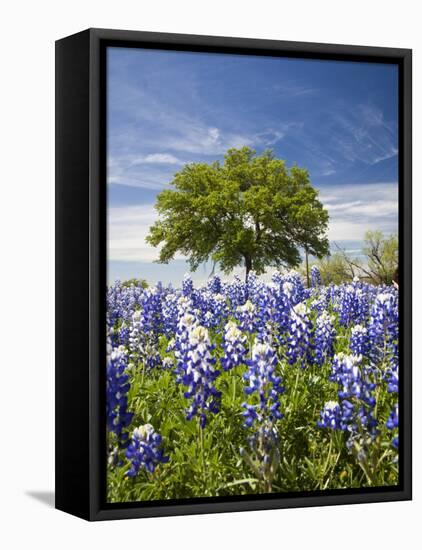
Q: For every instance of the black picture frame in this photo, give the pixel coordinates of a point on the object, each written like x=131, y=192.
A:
x=81, y=271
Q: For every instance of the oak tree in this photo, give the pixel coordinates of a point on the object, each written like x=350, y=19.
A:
x=250, y=210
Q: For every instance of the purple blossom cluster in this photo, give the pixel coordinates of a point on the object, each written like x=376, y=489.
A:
x=383, y=330
x=117, y=387
x=359, y=341
x=234, y=345
x=144, y=450
x=354, y=412
x=315, y=276
x=325, y=334
x=262, y=410
x=352, y=301
x=261, y=381
x=299, y=332
x=197, y=371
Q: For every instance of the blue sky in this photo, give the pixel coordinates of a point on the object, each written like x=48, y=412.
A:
x=337, y=119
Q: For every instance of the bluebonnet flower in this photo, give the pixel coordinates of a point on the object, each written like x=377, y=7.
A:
x=199, y=375
x=214, y=285
x=320, y=299
x=299, y=334
x=352, y=303
x=168, y=363
x=332, y=416
x=170, y=312
x=246, y=315
x=266, y=388
x=180, y=344
x=234, y=346
x=152, y=314
x=315, y=276
x=236, y=292
x=253, y=286
x=144, y=450
x=352, y=378
x=117, y=387
x=393, y=423
x=262, y=381
x=120, y=335
x=290, y=286
x=392, y=379
x=281, y=301
x=354, y=412
x=383, y=329
x=324, y=338
x=266, y=302
x=122, y=302
x=187, y=285
x=213, y=309
x=359, y=341
x=143, y=344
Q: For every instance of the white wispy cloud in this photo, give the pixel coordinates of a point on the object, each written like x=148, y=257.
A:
x=156, y=170
x=157, y=158
x=355, y=209
x=293, y=90
x=362, y=134
x=127, y=228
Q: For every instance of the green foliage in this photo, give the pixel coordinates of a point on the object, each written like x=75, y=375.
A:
x=251, y=210
x=334, y=269
x=136, y=282
x=379, y=267
x=383, y=256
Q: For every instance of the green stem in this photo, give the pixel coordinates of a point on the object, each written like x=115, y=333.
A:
x=202, y=452
x=143, y=374
x=234, y=388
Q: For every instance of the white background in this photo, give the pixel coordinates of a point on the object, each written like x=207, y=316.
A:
x=29, y=30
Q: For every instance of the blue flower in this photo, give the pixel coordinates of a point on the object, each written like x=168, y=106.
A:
x=354, y=412
x=234, y=346
x=359, y=341
x=299, y=335
x=144, y=450
x=246, y=315
x=142, y=343
x=187, y=285
x=392, y=379
x=199, y=374
x=117, y=387
x=383, y=329
x=262, y=410
x=393, y=423
x=324, y=338
x=236, y=292
x=352, y=379
x=315, y=276
x=331, y=416
x=215, y=285
x=352, y=303
x=262, y=381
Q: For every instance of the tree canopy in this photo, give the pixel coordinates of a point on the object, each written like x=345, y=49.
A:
x=249, y=210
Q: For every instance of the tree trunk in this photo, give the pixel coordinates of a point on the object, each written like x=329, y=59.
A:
x=307, y=266
x=248, y=265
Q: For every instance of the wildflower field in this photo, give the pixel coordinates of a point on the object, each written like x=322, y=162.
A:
x=238, y=388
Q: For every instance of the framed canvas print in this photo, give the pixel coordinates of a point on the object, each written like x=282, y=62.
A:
x=233, y=276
